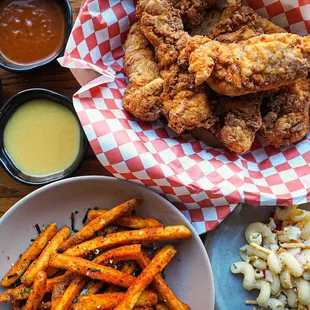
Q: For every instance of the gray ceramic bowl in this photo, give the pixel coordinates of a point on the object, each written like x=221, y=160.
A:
x=189, y=274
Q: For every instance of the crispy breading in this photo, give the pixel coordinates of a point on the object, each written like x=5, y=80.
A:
x=184, y=103
x=236, y=24
x=260, y=63
x=268, y=26
x=193, y=12
x=239, y=120
x=212, y=17
x=142, y=96
x=286, y=115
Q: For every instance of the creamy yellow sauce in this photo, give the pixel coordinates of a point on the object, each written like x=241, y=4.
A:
x=42, y=137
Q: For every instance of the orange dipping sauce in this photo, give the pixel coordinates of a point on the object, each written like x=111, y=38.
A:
x=30, y=30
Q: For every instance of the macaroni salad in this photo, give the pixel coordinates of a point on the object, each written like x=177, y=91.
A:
x=276, y=260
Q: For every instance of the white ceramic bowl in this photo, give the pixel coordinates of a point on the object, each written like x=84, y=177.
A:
x=189, y=274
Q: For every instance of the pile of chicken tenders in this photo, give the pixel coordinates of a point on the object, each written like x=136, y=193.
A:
x=229, y=73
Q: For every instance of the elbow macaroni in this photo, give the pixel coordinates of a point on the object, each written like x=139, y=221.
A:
x=248, y=271
x=277, y=262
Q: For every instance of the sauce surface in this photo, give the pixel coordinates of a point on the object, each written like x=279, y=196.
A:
x=42, y=137
x=30, y=30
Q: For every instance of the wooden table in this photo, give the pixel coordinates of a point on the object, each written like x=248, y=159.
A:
x=55, y=78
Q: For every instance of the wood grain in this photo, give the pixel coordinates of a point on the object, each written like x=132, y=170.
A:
x=55, y=78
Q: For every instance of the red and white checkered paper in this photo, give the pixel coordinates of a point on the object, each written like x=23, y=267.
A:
x=203, y=182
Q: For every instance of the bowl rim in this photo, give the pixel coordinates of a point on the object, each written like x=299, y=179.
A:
x=7, y=163
x=168, y=204
x=68, y=17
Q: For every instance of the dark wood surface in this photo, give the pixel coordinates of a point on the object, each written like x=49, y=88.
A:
x=55, y=78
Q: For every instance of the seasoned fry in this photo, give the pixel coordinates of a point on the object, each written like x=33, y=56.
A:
x=110, y=229
x=51, y=271
x=110, y=300
x=161, y=306
x=127, y=237
x=129, y=268
x=42, y=262
x=92, y=270
x=29, y=255
x=71, y=292
x=161, y=286
x=130, y=221
x=16, y=305
x=98, y=223
x=21, y=292
x=126, y=252
x=93, y=287
x=59, y=289
x=157, y=264
x=37, y=293
x=46, y=306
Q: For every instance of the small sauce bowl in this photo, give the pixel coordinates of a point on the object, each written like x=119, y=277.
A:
x=7, y=111
x=35, y=39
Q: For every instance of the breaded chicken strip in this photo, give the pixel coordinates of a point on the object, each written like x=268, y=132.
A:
x=258, y=64
x=212, y=17
x=237, y=23
x=239, y=120
x=184, y=103
x=142, y=96
x=286, y=115
x=193, y=12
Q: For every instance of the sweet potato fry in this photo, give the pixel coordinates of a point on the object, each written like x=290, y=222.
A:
x=46, y=306
x=101, y=221
x=110, y=300
x=157, y=264
x=50, y=283
x=147, y=299
x=16, y=305
x=161, y=286
x=71, y=292
x=51, y=271
x=92, y=270
x=161, y=306
x=126, y=252
x=93, y=287
x=37, y=293
x=42, y=262
x=30, y=255
x=129, y=237
x=129, y=221
x=59, y=289
x=110, y=229
x=129, y=268
x=21, y=292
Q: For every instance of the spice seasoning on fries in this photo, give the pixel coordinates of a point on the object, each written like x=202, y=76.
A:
x=102, y=266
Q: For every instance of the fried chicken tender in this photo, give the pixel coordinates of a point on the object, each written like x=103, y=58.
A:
x=286, y=115
x=185, y=104
x=236, y=23
x=212, y=17
x=142, y=96
x=193, y=11
x=258, y=64
x=239, y=120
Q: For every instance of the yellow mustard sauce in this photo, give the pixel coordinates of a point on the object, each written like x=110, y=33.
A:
x=42, y=137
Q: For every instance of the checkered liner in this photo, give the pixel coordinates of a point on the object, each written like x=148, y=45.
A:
x=203, y=182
